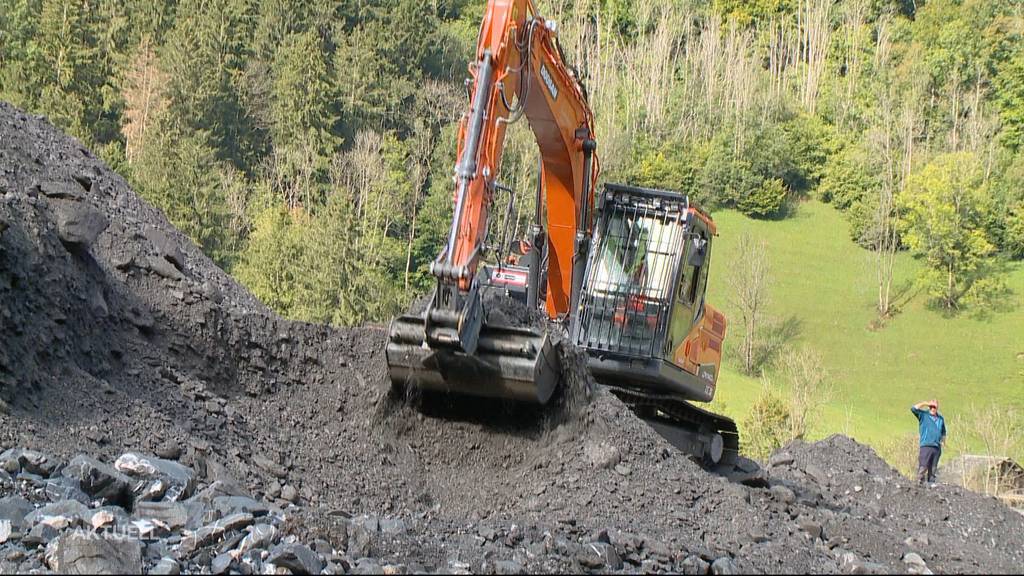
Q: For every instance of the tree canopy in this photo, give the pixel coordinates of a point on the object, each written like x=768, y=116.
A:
x=308, y=146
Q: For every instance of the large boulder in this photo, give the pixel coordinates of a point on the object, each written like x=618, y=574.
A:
x=596, y=555
x=63, y=189
x=100, y=481
x=13, y=510
x=297, y=558
x=259, y=536
x=41, y=534
x=165, y=247
x=79, y=552
x=29, y=461
x=175, y=515
x=213, y=533
x=166, y=565
x=227, y=505
x=79, y=224
x=59, y=488
x=162, y=479
x=217, y=489
x=74, y=511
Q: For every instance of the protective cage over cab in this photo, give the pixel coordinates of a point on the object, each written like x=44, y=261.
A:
x=642, y=316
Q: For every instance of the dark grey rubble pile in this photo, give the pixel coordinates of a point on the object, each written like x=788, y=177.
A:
x=146, y=514
x=142, y=514
x=167, y=410
x=875, y=518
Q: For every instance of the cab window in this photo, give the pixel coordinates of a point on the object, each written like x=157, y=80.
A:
x=693, y=269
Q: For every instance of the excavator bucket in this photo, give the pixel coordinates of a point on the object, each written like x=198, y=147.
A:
x=513, y=363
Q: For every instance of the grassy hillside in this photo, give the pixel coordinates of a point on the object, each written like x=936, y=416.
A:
x=827, y=284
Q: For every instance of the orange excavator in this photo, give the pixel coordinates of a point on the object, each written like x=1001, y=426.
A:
x=620, y=272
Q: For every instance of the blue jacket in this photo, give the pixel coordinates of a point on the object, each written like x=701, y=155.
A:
x=933, y=428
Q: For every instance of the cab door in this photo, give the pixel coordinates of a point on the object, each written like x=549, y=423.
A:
x=688, y=305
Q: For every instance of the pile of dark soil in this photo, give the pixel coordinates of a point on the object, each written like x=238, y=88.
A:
x=119, y=335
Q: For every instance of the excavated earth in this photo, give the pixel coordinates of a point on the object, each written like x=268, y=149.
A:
x=118, y=335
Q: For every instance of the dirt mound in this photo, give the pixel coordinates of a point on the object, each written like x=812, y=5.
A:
x=119, y=335
x=884, y=516
x=116, y=328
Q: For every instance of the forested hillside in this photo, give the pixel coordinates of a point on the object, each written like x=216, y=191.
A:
x=308, y=146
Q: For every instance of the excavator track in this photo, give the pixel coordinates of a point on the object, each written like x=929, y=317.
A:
x=690, y=429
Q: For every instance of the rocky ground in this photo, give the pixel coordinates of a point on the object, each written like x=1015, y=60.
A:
x=121, y=342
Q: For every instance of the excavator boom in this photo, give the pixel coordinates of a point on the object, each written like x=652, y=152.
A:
x=519, y=71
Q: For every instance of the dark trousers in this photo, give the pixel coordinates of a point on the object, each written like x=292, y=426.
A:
x=927, y=462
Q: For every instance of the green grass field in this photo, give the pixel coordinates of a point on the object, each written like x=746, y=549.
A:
x=828, y=285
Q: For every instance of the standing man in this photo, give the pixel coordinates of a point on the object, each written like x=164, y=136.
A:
x=933, y=437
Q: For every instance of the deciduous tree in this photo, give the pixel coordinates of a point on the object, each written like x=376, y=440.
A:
x=943, y=211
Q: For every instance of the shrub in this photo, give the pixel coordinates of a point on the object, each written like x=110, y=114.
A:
x=764, y=201
x=767, y=426
x=809, y=388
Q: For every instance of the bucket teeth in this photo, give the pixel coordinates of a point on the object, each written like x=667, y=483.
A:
x=514, y=363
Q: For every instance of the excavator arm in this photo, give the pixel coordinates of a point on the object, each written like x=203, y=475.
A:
x=520, y=71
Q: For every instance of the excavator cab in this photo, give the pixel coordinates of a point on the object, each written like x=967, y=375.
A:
x=642, y=300
x=643, y=320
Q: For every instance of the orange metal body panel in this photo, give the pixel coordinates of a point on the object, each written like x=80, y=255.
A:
x=703, y=345
x=560, y=118
x=712, y=228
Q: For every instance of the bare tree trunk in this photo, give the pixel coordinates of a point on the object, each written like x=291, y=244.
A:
x=143, y=98
x=954, y=134
x=419, y=165
x=886, y=252
x=856, y=13
x=417, y=184
x=749, y=281
x=784, y=53
x=886, y=249
x=816, y=31
x=894, y=169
